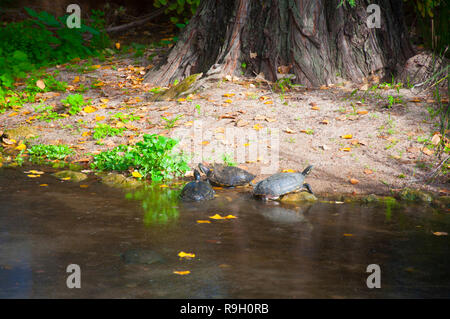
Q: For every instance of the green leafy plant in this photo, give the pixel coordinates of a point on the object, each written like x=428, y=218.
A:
x=153, y=157
x=49, y=151
x=46, y=113
x=170, y=123
x=75, y=103
x=125, y=118
x=103, y=130
x=180, y=11
x=228, y=160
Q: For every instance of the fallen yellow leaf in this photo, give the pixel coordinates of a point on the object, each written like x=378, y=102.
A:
x=33, y=176
x=99, y=118
x=89, y=109
x=348, y=136
x=228, y=95
x=345, y=149
x=21, y=147
x=136, y=174
x=288, y=171
x=44, y=185
x=440, y=233
x=34, y=172
x=216, y=216
x=203, y=221
x=84, y=186
x=185, y=272
x=182, y=254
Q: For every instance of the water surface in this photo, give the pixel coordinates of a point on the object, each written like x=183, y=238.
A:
x=269, y=251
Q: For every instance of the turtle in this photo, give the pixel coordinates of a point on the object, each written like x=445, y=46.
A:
x=282, y=183
x=227, y=176
x=197, y=190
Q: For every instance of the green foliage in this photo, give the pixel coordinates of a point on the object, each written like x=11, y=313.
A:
x=125, y=118
x=152, y=157
x=170, y=123
x=48, y=151
x=104, y=130
x=46, y=113
x=51, y=84
x=41, y=40
x=228, y=160
x=180, y=11
x=74, y=102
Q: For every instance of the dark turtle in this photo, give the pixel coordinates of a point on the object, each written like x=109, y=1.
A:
x=197, y=190
x=227, y=176
x=282, y=183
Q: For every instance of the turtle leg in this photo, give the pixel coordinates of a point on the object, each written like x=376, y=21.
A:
x=308, y=188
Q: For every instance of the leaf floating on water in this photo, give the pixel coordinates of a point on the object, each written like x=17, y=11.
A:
x=216, y=216
x=185, y=272
x=44, y=185
x=84, y=186
x=348, y=235
x=440, y=233
x=182, y=254
x=65, y=178
x=230, y=217
x=33, y=176
x=203, y=221
x=338, y=202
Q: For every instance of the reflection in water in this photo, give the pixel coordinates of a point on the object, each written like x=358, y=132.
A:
x=160, y=204
x=271, y=250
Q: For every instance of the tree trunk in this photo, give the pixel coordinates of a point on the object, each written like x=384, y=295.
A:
x=316, y=40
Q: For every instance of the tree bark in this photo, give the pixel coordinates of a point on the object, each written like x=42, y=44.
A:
x=316, y=40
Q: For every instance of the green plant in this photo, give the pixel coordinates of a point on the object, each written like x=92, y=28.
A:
x=125, y=118
x=46, y=113
x=103, y=130
x=198, y=108
x=180, y=11
x=51, y=152
x=74, y=102
x=153, y=157
x=228, y=160
x=170, y=123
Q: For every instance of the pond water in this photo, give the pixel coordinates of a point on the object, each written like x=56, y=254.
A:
x=127, y=244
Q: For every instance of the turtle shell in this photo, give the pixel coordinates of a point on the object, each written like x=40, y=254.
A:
x=279, y=184
x=227, y=176
x=197, y=190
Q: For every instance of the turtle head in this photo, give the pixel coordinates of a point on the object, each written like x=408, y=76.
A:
x=203, y=168
x=196, y=175
x=307, y=170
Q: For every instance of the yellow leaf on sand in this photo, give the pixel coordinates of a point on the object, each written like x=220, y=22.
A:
x=181, y=99
x=268, y=102
x=289, y=131
x=354, y=181
x=216, y=216
x=99, y=118
x=228, y=95
x=345, y=149
x=257, y=127
x=34, y=172
x=86, y=133
x=185, y=272
x=13, y=114
x=89, y=109
x=136, y=174
x=104, y=100
x=205, y=142
x=228, y=101
x=362, y=112
x=182, y=254
x=76, y=79
x=21, y=147
x=316, y=108
x=348, y=136
x=203, y=221
x=427, y=151
x=288, y=171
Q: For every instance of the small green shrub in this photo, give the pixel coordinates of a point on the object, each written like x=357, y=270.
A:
x=51, y=152
x=153, y=157
x=74, y=102
x=104, y=130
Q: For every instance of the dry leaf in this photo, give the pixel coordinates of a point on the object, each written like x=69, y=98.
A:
x=182, y=254
x=362, y=112
x=348, y=136
x=368, y=171
x=185, y=272
x=289, y=131
x=427, y=151
x=440, y=233
x=40, y=84
x=353, y=181
x=241, y=123
x=204, y=221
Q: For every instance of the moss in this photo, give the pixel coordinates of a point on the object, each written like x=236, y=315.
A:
x=299, y=197
x=74, y=176
x=409, y=194
x=120, y=181
x=21, y=132
x=176, y=90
